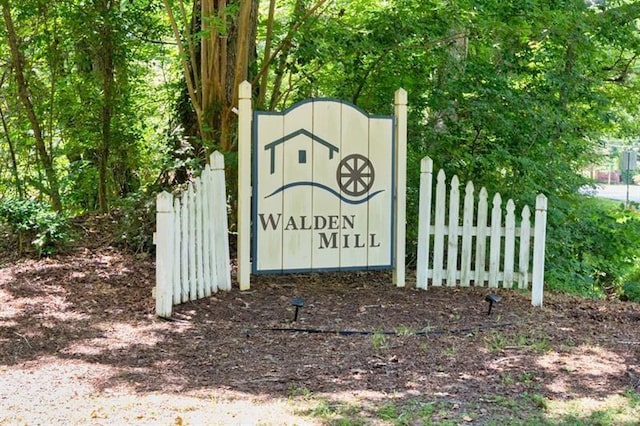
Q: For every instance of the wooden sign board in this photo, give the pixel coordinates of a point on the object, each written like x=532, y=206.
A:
x=323, y=189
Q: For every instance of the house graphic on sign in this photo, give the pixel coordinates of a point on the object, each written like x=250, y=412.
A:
x=302, y=153
x=354, y=175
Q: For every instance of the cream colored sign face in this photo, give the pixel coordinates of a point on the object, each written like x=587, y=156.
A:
x=323, y=189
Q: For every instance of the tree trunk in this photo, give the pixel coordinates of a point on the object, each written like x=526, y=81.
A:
x=12, y=152
x=215, y=63
x=23, y=93
x=106, y=63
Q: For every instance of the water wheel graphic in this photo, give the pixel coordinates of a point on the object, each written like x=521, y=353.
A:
x=355, y=175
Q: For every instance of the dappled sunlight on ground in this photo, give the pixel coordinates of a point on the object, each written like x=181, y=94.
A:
x=611, y=409
x=594, y=366
x=79, y=344
x=48, y=391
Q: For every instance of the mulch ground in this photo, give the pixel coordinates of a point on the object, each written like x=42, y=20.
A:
x=79, y=329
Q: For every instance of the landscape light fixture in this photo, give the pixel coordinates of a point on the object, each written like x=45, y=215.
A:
x=298, y=303
x=492, y=298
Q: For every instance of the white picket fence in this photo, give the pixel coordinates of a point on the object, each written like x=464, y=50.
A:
x=468, y=248
x=192, y=242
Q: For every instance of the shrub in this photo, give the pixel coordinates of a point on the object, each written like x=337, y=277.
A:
x=592, y=245
x=136, y=222
x=34, y=222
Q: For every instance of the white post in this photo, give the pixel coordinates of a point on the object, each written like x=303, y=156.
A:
x=424, y=221
x=244, y=184
x=164, y=254
x=400, y=102
x=538, y=250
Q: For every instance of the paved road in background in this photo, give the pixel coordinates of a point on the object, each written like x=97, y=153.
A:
x=619, y=192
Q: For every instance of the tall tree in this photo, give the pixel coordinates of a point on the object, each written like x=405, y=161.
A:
x=216, y=42
x=18, y=64
x=105, y=61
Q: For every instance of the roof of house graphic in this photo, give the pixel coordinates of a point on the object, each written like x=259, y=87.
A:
x=272, y=146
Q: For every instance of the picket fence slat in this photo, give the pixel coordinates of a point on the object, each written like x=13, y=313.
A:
x=480, y=244
x=509, y=243
x=452, y=239
x=438, y=236
x=494, y=245
x=481, y=238
x=193, y=277
x=525, y=236
x=177, y=242
x=426, y=175
x=192, y=244
x=164, y=253
x=220, y=222
x=467, y=235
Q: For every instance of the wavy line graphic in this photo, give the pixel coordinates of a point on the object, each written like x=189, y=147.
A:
x=326, y=188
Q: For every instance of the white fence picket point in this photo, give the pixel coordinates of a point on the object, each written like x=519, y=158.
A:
x=525, y=245
x=452, y=238
x=177, y=245
x=439, y=231
x=540, y=232
x=424, y=223
x=509, y=244
x=494, y=244
x=481, y=239
x=220, y=222
x=164, y=253
x=467, y=230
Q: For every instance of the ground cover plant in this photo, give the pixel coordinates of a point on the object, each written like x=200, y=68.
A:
x=79, y=344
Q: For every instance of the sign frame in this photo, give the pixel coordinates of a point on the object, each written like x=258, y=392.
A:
x=245, y=190
x=348, y=189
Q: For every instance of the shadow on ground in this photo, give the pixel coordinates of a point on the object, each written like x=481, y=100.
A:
x=359, y=343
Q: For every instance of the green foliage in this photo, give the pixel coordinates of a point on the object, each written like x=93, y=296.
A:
x=45, y=229
x=379, y=340
x=135, y=217
x=591, y=246
x=631, y=286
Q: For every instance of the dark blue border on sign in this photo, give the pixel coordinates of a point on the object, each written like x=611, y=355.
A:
x=254, y=192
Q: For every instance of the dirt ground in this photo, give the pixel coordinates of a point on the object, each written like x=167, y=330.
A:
x=80, y=344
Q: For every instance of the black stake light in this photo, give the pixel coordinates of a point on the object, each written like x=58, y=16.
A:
x=298, y=303
x=492, y=298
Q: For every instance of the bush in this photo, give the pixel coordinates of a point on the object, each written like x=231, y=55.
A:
x=35, y=222
x=631, y=286
x=136, y=222
x=592, y=246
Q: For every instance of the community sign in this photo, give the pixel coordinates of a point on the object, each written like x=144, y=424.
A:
x=323, y=189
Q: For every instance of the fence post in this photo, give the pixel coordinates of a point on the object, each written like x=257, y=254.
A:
x=424, y=221
x=538, y=250
x=164, y=254
x=400, y=113
x=244, y=184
